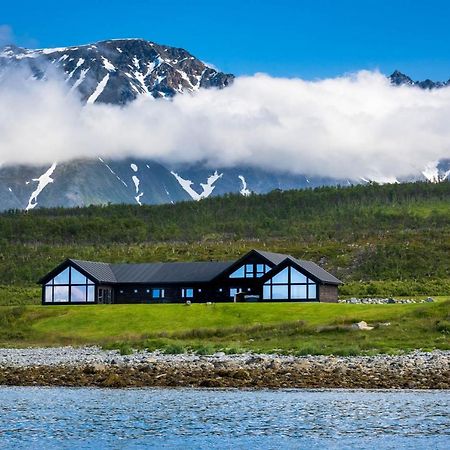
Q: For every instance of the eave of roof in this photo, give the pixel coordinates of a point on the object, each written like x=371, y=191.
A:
x=317, y=271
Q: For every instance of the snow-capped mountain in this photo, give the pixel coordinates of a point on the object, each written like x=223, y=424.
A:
x=400, y=79
x=117, y=72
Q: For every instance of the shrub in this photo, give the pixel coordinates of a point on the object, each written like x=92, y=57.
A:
x=174, y=349
x=443, y=326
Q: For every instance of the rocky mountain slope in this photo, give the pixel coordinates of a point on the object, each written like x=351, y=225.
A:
x=117, y=72
x=97, y=181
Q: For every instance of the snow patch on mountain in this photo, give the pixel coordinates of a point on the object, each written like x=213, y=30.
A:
x=80, y=79
x=186, y=185
x=108, y=65
x=42, y=181
x=244, y=191
x=137, y=182
x=99, y=89
x=134, y=167
x=207, y=188
x=138, y=198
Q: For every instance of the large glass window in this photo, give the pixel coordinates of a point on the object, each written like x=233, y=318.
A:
x=297, y=277
x=282, y=277
x=299, y=291
x=91, y=293
x=69, y=286
x=250, y=271
x=290, y=284
x=63, y=277
x=61, y=293
x=77, y=277
x=239, y=273
x=78, y=293
x=280, y=291
x=48, y=294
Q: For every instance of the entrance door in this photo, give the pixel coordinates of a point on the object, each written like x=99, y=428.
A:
x=104, y=295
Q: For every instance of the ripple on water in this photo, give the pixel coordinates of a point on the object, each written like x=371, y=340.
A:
x=179, y=418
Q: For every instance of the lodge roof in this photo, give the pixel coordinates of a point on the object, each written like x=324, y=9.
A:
x=181, y=272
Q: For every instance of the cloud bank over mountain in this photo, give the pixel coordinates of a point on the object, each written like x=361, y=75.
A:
x=348, y=127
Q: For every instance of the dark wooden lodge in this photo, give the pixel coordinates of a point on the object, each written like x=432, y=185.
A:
x=257, y=276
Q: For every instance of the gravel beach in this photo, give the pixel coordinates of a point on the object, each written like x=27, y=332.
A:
x=92, y=366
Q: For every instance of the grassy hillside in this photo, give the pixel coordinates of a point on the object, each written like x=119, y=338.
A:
x=380, y=240
x=288, y=327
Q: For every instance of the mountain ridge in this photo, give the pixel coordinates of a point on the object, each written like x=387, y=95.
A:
x=398, y=78
x=118, y=71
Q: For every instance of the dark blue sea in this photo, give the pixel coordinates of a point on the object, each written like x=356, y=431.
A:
x=65, y=418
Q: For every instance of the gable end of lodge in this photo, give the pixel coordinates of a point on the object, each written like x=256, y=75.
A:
x=257, y=276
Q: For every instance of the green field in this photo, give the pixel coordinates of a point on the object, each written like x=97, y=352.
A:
x=295, y=328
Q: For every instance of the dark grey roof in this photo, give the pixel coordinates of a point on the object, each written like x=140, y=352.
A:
x=316, y=271
x=275, y=258
x=100, y=271
x=176, y=272
x=183, y=272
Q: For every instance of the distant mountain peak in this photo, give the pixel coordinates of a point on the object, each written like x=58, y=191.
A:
x=398, y=78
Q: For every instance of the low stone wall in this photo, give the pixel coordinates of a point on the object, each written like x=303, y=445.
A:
x=386, y=300
x=94, y=367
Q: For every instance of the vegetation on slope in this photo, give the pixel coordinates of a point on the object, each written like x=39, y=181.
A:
x=380, y=240
x=298, y=328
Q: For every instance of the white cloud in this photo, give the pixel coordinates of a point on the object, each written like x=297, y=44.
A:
x=349, y=127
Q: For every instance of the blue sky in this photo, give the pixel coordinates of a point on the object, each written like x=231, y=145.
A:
x=309, y=39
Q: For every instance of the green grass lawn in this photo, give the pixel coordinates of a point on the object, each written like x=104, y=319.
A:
x=310, y=328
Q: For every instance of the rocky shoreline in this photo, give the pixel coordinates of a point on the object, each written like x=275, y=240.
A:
x=92, y=366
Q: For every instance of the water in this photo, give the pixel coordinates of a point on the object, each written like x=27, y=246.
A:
x=58, y=418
